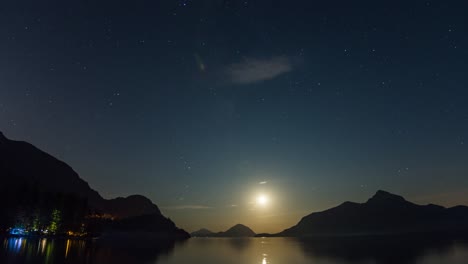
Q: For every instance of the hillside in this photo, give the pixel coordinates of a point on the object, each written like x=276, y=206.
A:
x=34, y=182
x=384, y=213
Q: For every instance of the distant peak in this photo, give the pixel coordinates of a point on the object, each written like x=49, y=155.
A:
x=383, y=196
x=203, y=231
x=240, y=227
x=239, y=230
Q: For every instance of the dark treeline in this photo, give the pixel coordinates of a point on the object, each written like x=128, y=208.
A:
x=34, y=211
x=42, y=212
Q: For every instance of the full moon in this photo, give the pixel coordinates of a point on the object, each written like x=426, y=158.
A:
x=262, y=200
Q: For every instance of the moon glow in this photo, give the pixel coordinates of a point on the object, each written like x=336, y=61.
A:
x=262, y=200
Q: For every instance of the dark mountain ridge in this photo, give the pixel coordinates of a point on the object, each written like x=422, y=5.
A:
x=384, y=213
x=203, y=232
x=238, y=230
x=23, y=164
x=25, y=169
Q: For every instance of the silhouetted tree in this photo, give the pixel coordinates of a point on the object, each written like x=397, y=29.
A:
x=55, y=221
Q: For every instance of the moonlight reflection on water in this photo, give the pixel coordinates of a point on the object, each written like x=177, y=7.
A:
x=237, y=250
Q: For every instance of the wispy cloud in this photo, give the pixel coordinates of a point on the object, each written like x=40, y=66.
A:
x=263, y=182
x=255, y=70
x=187, y=207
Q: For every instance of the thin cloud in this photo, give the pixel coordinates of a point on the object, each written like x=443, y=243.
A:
x=256, y=70
x=188, y=207
x=263, y=182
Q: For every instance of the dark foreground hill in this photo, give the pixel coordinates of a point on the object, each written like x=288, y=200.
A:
x=384, y=213
x=34, y=184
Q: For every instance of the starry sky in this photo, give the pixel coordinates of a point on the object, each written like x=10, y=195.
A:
x=202, y=105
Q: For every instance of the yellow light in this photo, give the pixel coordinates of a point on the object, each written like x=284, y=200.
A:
x=67, y=248
x=262, y=200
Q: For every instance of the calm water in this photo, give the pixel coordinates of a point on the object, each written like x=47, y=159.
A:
x=244, y=251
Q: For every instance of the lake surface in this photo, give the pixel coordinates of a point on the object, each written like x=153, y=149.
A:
x=238, y=251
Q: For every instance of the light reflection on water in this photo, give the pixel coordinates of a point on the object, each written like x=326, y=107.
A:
x=234, y=251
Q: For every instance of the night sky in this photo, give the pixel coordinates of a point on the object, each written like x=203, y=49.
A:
x=202, y=105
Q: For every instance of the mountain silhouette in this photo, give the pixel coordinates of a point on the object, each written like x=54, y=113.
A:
x=27, y=170
x=202, y=233
x=237, y=231
x=384, y=213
